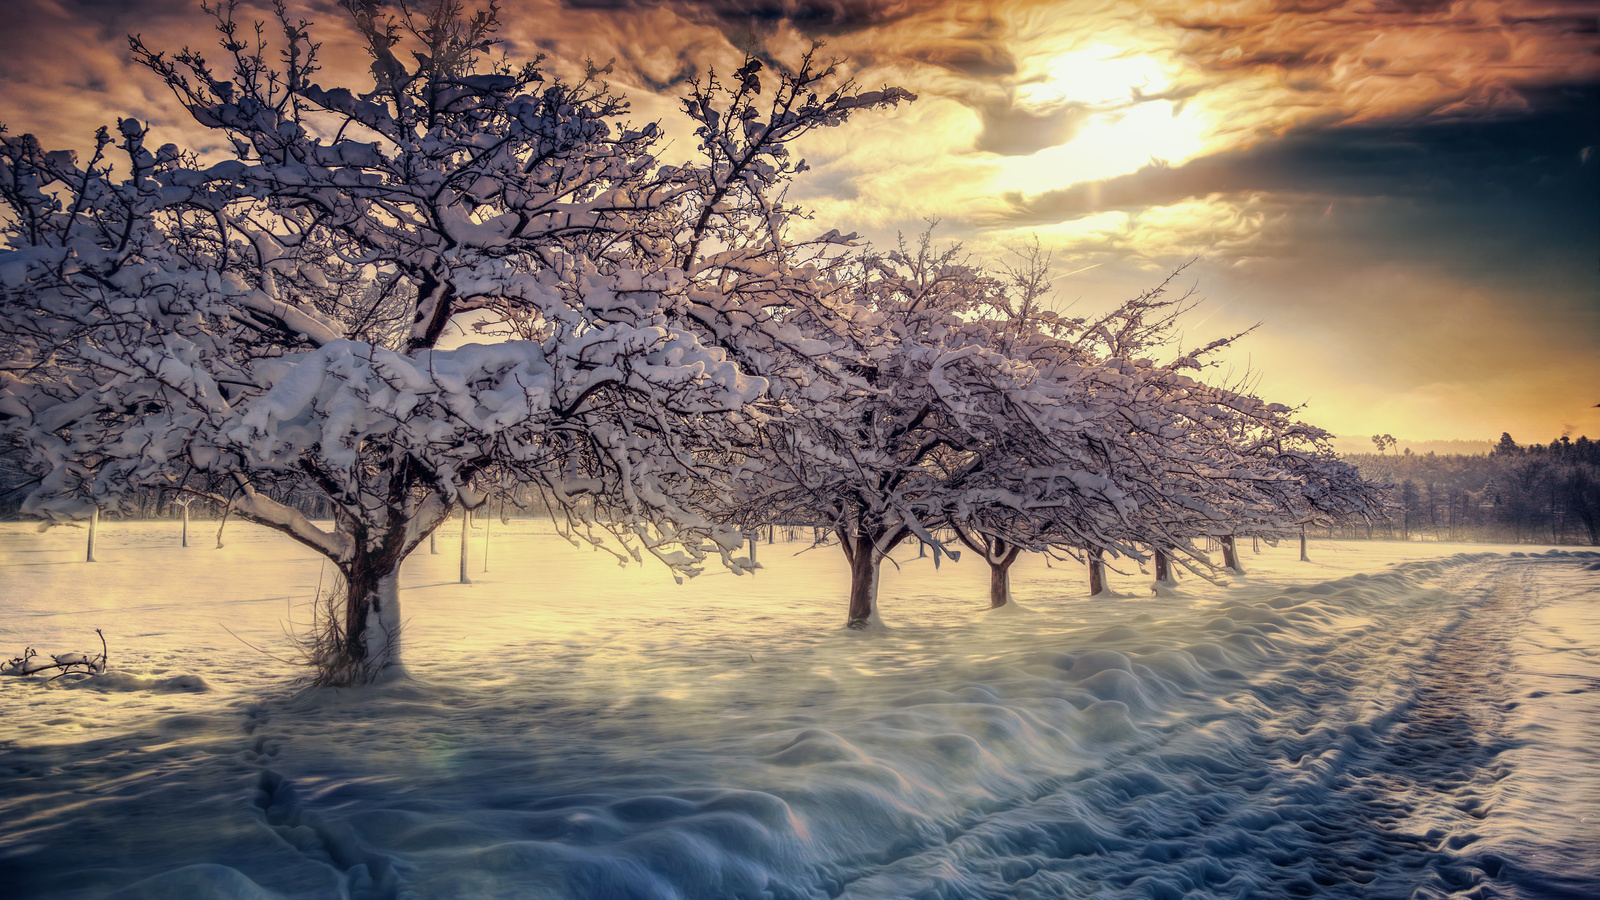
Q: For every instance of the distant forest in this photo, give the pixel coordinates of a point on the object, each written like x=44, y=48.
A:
x=1347, y=446
x=1534, y=493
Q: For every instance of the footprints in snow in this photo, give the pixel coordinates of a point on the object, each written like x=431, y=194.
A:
x=367, y=874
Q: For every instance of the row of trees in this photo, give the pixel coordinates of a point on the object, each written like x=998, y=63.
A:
x=663, y=362
x=1544, y=493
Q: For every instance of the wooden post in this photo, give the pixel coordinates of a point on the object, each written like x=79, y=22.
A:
x=466, y=533
x=94, y=525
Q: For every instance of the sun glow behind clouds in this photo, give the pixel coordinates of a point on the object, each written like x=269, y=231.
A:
x=1123, y=132
x=1096, y=75
x=1111, y=144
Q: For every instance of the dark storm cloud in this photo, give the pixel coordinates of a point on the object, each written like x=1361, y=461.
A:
x=1536, y=157
x=809, y=16
x=973, y=57
x=1372, y=60
x=960, y=39
x=1009, y=130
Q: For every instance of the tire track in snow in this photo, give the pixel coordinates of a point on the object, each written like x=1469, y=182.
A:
x=1367, y=770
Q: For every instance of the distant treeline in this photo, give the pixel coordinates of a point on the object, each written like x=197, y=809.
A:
x=1348, y=446
x=1535, y=493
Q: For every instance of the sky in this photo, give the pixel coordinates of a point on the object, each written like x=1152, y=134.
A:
x=1402, y=197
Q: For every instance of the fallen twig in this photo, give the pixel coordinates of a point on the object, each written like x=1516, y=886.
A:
x=31, y=663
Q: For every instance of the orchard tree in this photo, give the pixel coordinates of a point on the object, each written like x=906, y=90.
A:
x=913, y=433
x=1069, y=482
x=279, y=319
x=855, y=454
x=1330, y=491
x=1111, y=477
x=1155, y=458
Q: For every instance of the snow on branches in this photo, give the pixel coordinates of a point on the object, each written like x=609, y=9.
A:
x=664, y=361
x=31, y=663
x=966, y=405
x=277, y=322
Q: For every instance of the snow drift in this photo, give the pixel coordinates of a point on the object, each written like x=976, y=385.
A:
x=1367, y=726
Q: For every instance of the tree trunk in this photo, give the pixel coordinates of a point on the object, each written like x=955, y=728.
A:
x=94, y=526
x=466, y=533
x=1000, y=576
x=864, y=564
x=753, y=538
x=433, y=545
x=1163, y=566
x=1097, y=572
x=186, y=524
x=371, y=645
x=1230, y=555
x=488, y=521
x=1303, y=556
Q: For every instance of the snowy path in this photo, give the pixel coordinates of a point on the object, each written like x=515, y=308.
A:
x=1366, y=771
x=1369, y=727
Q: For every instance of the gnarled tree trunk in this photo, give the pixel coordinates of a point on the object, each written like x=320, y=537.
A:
x=999, y=553
x=1303, y=556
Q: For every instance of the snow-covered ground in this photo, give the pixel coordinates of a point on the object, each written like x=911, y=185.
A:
x=1389, y=720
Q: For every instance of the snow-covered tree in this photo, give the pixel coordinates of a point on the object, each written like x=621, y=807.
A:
x=1154, y=456
x=913, y=435
x=280, y=317
x=1043, y=484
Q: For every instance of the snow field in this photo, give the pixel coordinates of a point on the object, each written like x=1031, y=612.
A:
x=1366, y=725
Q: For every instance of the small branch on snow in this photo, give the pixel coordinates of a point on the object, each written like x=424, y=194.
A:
x=29, y=663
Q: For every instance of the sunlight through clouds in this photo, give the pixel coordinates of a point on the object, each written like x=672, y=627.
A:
x=1099, y=231
x=1099, y=75
x=1216, y=227
x=1111, y=144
